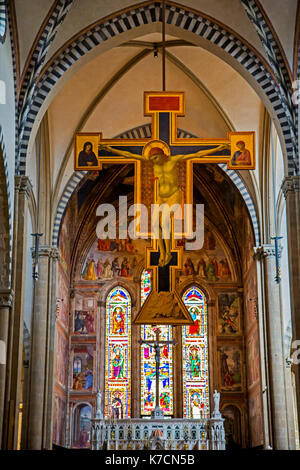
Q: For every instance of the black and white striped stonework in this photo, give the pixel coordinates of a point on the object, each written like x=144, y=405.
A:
x=27, y=95
x=143, y=132
x=3, y=20
x=143, y=15
x=277, y=63
x=2, y=147
x=13, y=49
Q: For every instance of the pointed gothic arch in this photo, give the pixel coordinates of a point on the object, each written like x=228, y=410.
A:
x=225, y=42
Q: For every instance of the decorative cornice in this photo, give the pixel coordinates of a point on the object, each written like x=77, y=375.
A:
x=290, y=184
x=47, y=251
x=23, y=185
x=6, y=297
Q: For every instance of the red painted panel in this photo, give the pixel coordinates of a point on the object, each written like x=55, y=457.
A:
x=164, y=103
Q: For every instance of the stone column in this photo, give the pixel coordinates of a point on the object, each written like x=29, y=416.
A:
x=291, y=191
x=6, y=297
x=50, y=350
x=14, y=366
x=266, y=256
x=39, y=353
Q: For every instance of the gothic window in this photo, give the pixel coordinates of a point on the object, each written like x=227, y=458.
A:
x=195, y=357
x=118, y=354
x=148, y=389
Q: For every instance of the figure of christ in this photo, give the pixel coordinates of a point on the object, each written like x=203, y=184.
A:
x=166, y=173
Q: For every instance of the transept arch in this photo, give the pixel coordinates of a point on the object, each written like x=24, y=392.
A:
x=224, y=41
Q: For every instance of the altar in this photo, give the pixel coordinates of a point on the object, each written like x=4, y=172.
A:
x=158, y=433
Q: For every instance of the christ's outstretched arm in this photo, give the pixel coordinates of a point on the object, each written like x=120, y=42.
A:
x=201, y=153
x=123, y=153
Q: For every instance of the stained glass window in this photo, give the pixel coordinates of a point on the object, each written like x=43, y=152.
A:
x=148, y=376
x=195, y=357
x=118, y=354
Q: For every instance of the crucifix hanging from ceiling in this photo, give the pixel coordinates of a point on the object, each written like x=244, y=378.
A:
x=164, y=178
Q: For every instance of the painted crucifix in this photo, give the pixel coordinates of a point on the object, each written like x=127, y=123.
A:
x=157, y=344
x=164, y=176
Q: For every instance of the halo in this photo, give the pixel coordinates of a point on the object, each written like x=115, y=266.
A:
x=156, y=143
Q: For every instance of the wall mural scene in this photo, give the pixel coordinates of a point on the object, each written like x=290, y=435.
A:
x=82, y=426
x=229, y=314
x=230, y=358
x=85, y=315
x=109, y=259
x=83, y=368
x=209, y=263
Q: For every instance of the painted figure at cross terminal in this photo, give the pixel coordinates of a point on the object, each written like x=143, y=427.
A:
x=87, y=157
x=242, y=156
x=166, y=174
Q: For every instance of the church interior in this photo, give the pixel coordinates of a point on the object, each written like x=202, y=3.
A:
x=71, y=351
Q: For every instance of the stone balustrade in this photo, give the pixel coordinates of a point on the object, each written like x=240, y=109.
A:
x=150, y=434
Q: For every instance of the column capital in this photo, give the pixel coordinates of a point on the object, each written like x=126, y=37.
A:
x=6, y=297
x=266, y=250
x=23, y=184
x=290, y=184
x=55, y=253
x=47, y=251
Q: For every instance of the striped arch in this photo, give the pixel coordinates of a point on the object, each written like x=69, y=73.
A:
x=3, y=20
x=142, y=132
x=7, y=190
x=180, y=17
x=28, y=99
x=278, y=64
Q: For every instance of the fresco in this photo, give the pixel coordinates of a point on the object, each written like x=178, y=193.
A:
x=62, y=295
x=253, y=358
x=83, y=368
x=230, y=368
x=85, y=315
x=248, y=245
x=209, y=263
x=109, y=259
x=83, y=416
x=64, y=241
x=250, y=298
x=256, y=419
x=59, y=414
x=229, y=314
x=61, y=360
